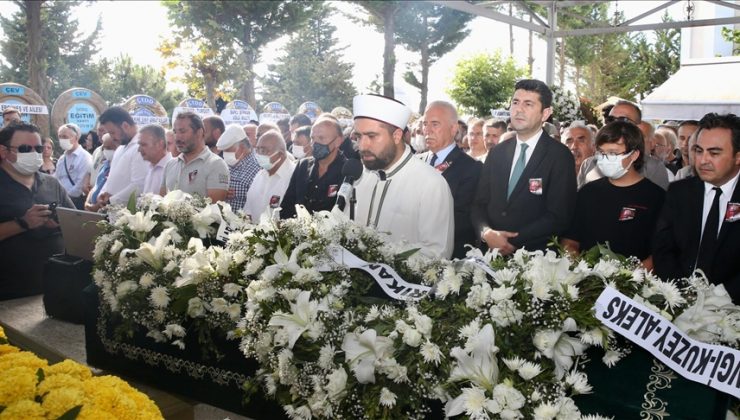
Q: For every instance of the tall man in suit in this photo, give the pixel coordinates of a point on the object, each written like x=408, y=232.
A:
x=527, y=188
x=459, y=169
x=699, y=227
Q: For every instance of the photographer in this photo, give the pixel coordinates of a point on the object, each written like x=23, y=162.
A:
x=28, y=233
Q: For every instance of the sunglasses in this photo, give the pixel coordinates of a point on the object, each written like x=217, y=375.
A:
x=24, y=148
x=610, y=119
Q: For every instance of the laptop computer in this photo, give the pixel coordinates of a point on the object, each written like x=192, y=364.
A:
x=79, y=230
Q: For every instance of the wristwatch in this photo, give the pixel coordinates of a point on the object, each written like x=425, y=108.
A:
x=22, y=223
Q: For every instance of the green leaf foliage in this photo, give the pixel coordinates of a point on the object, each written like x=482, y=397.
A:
x=484, y=82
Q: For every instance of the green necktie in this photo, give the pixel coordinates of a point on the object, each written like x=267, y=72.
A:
x=518, y=169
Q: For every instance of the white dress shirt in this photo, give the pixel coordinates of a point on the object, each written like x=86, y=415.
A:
x=727, y=189
x=531, y=144
x=412, y=204
x=153, y=180
x=267, y=191
x=74, y=165
x=127, y=173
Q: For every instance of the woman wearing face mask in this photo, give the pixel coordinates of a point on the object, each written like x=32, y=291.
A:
x=74, y=165
x=622, y=207
x=49, y=165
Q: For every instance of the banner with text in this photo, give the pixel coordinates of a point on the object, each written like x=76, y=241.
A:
x=709, y=364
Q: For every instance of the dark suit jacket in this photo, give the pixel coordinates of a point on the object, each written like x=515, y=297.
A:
x=461, y=175
x=678, y=234
x=543, y=201
x=308, y=189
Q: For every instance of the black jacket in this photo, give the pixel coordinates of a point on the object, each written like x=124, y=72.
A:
x=678, y=234
x=306, y=188
x=543, y=201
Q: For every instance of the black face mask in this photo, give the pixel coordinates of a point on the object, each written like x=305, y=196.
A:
x=320, y=151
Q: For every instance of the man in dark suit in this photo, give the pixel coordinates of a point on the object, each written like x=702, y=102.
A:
x=527, y=188
x=459, y=169
x=699, y=227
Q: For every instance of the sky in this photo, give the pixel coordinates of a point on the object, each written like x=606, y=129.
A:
x=136, y=28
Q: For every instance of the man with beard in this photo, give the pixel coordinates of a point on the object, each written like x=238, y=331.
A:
x=527, y=188
x=213, y=127
x=196, y=170
x=577, y=137
x=398, y=194
x=128, y=168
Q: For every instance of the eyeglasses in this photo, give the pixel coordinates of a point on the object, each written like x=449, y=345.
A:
x=24, y=148
x=611, y=156
x=610, y=119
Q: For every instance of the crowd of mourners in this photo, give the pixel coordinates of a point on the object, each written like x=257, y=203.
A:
x=663, y=194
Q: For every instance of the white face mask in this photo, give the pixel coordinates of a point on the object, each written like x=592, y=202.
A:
x=28, y=163
x=65, y=144
x=108, y=154
x=264, y=161
x=612, y=167
x=230, y=158
x=297, y=151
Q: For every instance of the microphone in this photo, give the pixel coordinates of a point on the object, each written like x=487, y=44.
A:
x=351, y=171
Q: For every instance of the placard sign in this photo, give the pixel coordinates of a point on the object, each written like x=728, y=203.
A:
x=31, y=106
x=146, y=110
x=310, y=109
x=195, y=106
x=238, y=112
x=500, y=113
x=273, y=112
x=709, y=364
x=24, y=108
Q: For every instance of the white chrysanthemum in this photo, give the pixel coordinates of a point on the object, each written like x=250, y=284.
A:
x=387, y=398
x=579, y=382
x=99, y=277
x=307, y=275
x=117, y=245
x=502, y=293
x=170, y=266
x=372, y=314
x=611, y=357
x=159, y=297
x=326, y=356
x=219, y=305
x=508, y=400
x=671, y=293
x=174, y=330
x=478, y=296
x=146, y=280
x=232, y=289
x=505, y=313
x=606, y=268
x=196, y=308
x=402, y=326
x=594, y=336
x=529, y=370
x=126, y=287
x=545, y=411
x=514, y=363
x=253, y=266
x=505, y=276
x=431, y=353
x=471, y=329
x=336, y=387
x=234, y=311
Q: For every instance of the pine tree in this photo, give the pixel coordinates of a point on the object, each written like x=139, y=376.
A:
x=311, y=69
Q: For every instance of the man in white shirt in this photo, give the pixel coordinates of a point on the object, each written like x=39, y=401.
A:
x=268, y=188
x=128, y=169
x=398, y=194
x=74, y=164
x=153, y=149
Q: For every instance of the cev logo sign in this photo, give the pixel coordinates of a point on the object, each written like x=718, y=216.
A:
x=145, y=100
x=81, y=93
x=13, y=90
x=195, y=103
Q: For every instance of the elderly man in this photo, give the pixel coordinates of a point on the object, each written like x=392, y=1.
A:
x=269, y=185
x=478, y=149
x=316, y=180
x=213, y=127
x=397, y=193
x=153, y=148
x=11, y=115
x=527, y=189
x=459, y=169
x=698, y=227
x=579, y=140
x=196, y=170
x=251, y=130
x=243, y=166
x=74, y=164
x=128, y=169
x=28, y=233
x=653, y=169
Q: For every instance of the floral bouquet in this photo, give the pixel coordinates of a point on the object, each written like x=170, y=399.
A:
x=565, y=106
x=30, y=388
x=493, y=337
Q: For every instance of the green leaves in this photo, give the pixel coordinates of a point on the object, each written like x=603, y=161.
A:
x=484, y=82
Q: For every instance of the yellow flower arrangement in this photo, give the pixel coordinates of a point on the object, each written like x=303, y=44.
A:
x=31, y=389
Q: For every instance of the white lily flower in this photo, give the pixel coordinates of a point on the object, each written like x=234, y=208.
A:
x=560, y=346
x=363, y=350
x=704, y=319
x=303, y=314
x=151, y=252
x=203, y=220
x=478, y=365
x=337, y=385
